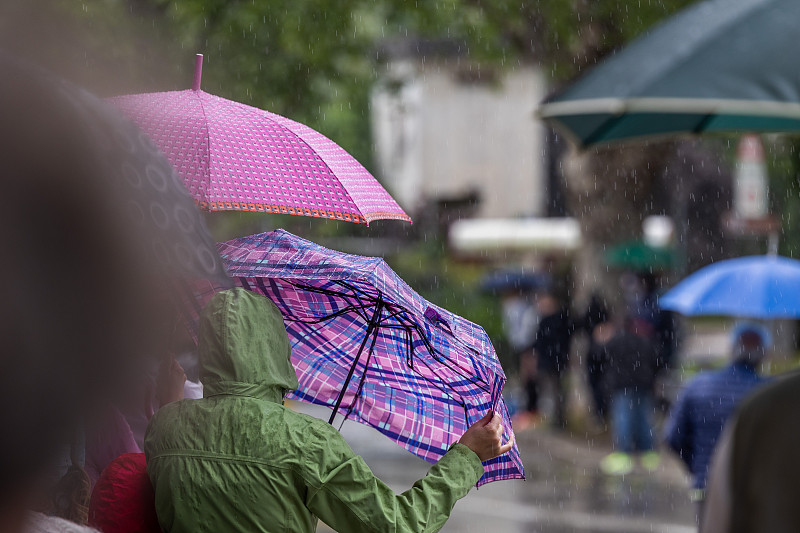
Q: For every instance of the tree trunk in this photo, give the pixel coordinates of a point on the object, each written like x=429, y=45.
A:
x=610, y=191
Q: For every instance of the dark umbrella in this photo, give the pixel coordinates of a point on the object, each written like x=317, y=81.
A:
x=638, y=255
x=510, y=279
x=719, y=65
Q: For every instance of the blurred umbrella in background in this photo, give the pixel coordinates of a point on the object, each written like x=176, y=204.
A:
x=232, y=156
x=513, y=280
x=368, y=346
x=761, y=286
x=640, y=256
x=718, y=65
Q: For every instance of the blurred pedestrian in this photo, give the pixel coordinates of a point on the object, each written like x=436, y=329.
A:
x=656, y=324
x=599, y=330
x=551, y=348
x=752, y=483
x=520, y=322
x=238, y=460
x=632, y=368
x=707, y=402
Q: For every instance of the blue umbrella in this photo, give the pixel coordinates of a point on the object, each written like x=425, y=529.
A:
x=762, y=286
x=513, y=280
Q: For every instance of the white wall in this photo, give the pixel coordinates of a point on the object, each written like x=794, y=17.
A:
x=437, y=136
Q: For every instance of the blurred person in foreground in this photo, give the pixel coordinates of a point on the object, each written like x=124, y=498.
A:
x=752, y=482
x=707, y=402
x=632, y=367
x=238, y=460
x=85, y=278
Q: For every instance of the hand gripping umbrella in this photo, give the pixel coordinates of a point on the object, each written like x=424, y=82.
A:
x=232, y=156
x=368, y=346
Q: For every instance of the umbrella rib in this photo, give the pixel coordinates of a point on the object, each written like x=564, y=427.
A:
x=325, y=318
x=399, y=313
x=363, y=375
x=208, y=147
x=356, y=293
x=352, y=307
x=410, y=363
x=601, y=130
x=459, y=399
x=372, y=325
x=378, y=321
x=309, y=288
x=463, y=373
x=701, y=125
x=301, y=140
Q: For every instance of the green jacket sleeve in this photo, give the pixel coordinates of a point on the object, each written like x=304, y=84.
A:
x=346, y=495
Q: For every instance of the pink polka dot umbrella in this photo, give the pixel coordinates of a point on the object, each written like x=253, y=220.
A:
x=232, y=156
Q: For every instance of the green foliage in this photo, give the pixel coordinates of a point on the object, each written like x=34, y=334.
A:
x=783, y=158
x=305, y=60
x=575, y=34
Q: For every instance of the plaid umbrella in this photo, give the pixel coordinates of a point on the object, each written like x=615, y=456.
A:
x=232, y=156
x=367, y=345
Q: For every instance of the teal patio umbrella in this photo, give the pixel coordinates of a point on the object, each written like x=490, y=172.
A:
x=640, y=256
x=716, y=66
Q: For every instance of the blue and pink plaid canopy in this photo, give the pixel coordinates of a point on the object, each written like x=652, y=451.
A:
x=367, y=345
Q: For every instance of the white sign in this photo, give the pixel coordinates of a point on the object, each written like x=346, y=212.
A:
x=750, y=192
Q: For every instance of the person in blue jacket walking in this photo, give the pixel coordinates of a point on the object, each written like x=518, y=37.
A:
x=707, y=402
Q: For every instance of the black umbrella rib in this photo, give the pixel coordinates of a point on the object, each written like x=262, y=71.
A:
x=463, y=373
x=440, y=358
x=364, y=374
x=357, y=308
x=370, y=327
x=601, y=130
x=406, y=323
x=378, y=321
x=459, y=399
x=344, y=311
x=410, y=363
x=701, y=125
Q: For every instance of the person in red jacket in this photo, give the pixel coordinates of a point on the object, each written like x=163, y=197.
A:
x=123, y=500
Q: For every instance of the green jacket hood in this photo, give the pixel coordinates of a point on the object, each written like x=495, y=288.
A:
x=243, y=347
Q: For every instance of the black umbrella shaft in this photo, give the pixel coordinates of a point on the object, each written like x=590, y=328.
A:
x=373, y=324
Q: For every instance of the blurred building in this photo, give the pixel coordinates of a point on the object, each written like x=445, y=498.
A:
x=452, y=135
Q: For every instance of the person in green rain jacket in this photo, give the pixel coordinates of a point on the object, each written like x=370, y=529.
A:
x=238, y=460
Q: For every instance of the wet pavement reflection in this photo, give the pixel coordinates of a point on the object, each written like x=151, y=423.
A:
x=565, y=490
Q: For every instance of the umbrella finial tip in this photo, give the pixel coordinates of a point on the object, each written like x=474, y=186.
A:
x=198, y=72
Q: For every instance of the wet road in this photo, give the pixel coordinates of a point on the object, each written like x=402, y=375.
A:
x=565, y=490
